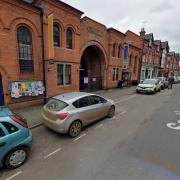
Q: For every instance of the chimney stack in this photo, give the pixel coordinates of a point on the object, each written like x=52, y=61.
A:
x=142, y=33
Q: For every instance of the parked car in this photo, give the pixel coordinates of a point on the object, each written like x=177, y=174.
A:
x=178, y=78
x=149, y=86
x=15, y=139
x=68, y=113
x=163, y=81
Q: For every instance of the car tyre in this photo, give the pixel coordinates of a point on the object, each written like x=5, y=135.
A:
x=16, y=157
x=111, y=112
x=154, y=91
x=75, y=129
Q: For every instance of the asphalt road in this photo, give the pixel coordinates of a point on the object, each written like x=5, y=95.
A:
x=140, y=143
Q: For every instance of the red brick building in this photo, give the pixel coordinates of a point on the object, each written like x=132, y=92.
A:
x=16, y=19
x=86, y=54
x=135, y=54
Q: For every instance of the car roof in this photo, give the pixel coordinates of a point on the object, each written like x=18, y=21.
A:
x=72, y=96
x=152, y=79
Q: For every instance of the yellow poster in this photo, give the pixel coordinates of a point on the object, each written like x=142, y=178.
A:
x=50, y=37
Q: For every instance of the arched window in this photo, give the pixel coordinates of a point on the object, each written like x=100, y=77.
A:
x=56, y=35
x=69, y=38
x=114, y=50
x=25, y=45
x=119, y=51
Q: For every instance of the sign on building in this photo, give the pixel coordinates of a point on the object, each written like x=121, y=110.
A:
x=126, y=49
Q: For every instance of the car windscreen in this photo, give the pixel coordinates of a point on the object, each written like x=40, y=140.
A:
x=56, y=105
x=4, y=112
x=149, y=81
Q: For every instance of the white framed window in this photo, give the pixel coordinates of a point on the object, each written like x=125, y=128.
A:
x=115, y=74
x=63, y=74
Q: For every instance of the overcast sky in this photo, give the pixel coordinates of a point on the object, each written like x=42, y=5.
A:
x=161, y=17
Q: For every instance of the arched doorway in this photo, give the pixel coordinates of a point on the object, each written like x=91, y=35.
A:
x=1, y=92
x=92, y=69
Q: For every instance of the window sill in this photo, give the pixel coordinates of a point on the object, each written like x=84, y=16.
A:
x=61, y=86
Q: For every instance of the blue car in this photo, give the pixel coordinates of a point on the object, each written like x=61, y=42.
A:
x=15, y=139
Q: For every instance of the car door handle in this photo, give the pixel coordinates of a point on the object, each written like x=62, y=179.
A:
x=2, y=144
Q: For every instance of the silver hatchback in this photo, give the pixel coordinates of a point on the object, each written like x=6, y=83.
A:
x=68, y=113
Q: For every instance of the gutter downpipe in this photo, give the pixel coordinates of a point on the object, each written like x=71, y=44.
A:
x=42, y=49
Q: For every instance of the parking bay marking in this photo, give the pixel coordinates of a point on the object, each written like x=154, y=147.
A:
x=52, y=153
x=124, y=112
x=79, y=137
x=177, y=112
x=13, y=176
x=125, y=99
x=99, y=126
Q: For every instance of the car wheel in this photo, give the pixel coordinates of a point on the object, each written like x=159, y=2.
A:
x=75, y=129
x=137, y=91
x=111, y=112
x=16, y=157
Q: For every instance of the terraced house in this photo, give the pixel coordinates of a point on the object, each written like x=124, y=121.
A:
x=47, y=48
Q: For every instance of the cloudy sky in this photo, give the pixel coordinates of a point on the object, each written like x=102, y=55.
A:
x=161, y=17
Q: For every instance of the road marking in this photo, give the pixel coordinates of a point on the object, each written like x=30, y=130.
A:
x=13, y=176
x=99, y=126
x=173, y=126
x=119, y=110
x=177, y=112
x=178, y=121
x=79, y=137
x=124, y=112
x=125, y=99
x=52, y=153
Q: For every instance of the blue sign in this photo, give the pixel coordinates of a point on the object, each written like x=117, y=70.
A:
x=126, y=48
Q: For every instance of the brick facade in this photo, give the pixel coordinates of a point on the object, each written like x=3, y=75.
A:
x=12, y=16
x=95, y=59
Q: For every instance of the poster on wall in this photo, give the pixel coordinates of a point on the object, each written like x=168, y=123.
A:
x=85, y=80
x=25, y=88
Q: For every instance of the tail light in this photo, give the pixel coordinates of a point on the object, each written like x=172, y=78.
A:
x=19, y=121
x=63, y=116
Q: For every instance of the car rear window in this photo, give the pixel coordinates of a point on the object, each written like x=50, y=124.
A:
x=10, y=127
x=2, y=133
x=4, y=112
x=56, y=105
x=83, y=102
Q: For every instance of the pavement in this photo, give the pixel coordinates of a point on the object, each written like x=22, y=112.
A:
x=33, y=113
